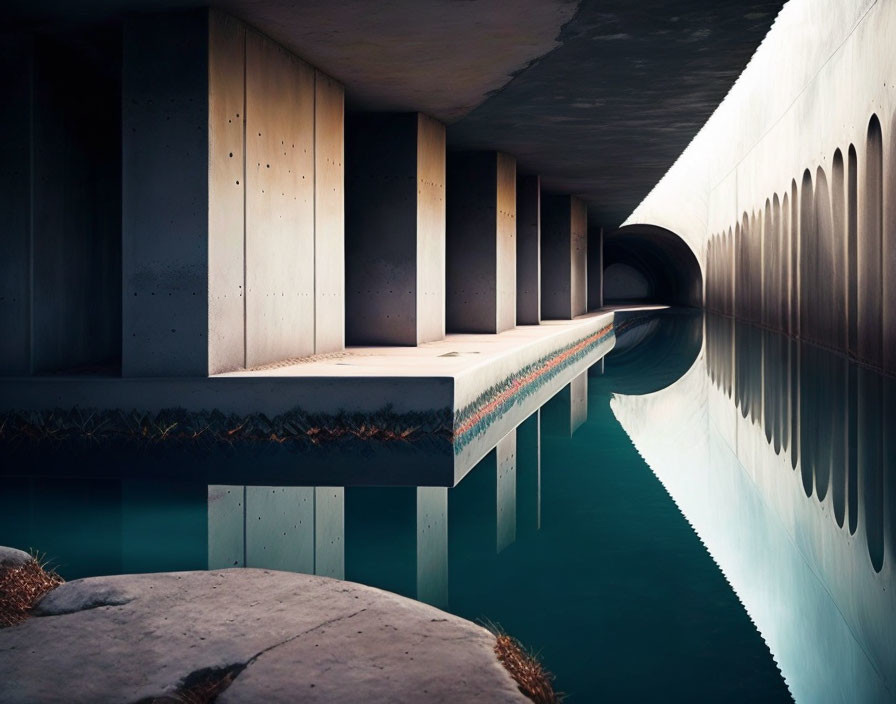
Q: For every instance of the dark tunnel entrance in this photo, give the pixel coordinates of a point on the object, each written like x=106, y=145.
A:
x=649, y=264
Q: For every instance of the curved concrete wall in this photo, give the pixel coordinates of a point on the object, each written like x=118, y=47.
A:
x=787, y=194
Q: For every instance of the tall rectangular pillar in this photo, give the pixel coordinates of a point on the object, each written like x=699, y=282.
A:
x=395, y=229
x=528, y=250
x=481, y=243
x=231, y=199
x=595, y=274
x=528, y=478
x=564, y=226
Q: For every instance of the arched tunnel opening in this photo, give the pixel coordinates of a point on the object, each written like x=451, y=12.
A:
x=649, y=264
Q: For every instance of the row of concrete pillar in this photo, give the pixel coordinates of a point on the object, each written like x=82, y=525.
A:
x=255, y=223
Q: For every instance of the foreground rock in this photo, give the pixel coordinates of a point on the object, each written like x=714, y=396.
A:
x=284, y=637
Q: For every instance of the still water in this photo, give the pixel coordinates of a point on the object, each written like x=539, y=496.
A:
x=707, y=514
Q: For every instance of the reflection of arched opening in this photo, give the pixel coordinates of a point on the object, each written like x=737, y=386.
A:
x=644, y=263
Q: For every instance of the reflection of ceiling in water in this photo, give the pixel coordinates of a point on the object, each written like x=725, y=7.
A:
x=753, y=445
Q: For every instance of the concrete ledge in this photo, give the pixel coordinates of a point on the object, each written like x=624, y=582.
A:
x=288, y=637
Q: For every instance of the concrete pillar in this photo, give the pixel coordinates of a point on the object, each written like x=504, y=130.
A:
x=528, y=250
x=595, y=273
x=506, y=460
x=397, y=539
x=481, y=243
x=280, y=528
x=61, y=271
x=329, y=531
x=225, y=227
x=564, y=226
x=528, y=475
x=16, y=68
x=226, y=526
x=395, y=229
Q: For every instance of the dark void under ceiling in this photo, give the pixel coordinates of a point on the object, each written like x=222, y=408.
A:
x=599, y=96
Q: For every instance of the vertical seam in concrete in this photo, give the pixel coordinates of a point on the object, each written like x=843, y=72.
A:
x=245, y=509
x=314, y=516
x=314, y=214
x=245, y=237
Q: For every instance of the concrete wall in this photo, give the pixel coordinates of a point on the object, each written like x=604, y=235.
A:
x=564, y=273
x=224, y=191
x=786, y=194
x=481, y=243
x=61, y=289
x=528, y=250
x=394, y=248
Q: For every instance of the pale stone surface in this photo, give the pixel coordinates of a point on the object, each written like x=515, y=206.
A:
x=300, y=638
x=10, y=557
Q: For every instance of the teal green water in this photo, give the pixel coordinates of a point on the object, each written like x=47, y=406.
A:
x=593, y=567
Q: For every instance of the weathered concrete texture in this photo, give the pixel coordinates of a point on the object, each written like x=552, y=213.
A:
x=165, y=195
x=528, y=250
x=329, y=215
x=226, y=193
x=296, y=529
x=404, y=528
x=279, y=203
x=595, y=274
x=481, y=243
x=394, y=229
x=295, y=636
x=564, y=276
x=243, y=264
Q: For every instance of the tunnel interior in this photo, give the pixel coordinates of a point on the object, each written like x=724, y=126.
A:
x=648, y=264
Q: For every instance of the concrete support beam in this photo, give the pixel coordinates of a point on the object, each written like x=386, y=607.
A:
x=61, y=271
x=481, y=243
x=232, y=199
x=564, y=228
x=528, y=250
x=16, y=68
x=595, y=268
x=395, y=229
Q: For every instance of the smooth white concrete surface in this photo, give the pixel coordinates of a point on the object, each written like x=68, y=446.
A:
x=793, y=178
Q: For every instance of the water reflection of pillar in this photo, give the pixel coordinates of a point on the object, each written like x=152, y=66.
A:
x=296, y=529
x=870, y=458
x=506, y=491
x=888, y=421
x=396, y=538
x=567, y=411
x=528, y=475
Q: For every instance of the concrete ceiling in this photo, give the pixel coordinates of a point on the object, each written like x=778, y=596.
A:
x=598, y=96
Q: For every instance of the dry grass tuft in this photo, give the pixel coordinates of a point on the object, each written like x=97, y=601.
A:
x=21, y=588
x=533, y=680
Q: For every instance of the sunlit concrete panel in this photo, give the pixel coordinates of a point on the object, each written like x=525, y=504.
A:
x=329, y=215
x=165, y=195
x=226, y=193
x=564, y=244
x=279, y=203
x=16, y=67
x=280, y=528
x=505, y=494
x=481, y=243
x=329, y=531
x=394, y=229
x=226, y=526
x=595, y=268
x=432, y=545
x=528, y=250
x=528, y=475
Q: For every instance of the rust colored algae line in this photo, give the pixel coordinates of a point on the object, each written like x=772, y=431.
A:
x=522, y=382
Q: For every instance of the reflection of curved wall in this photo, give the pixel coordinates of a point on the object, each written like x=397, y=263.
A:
x=643, y=263
x=818, y=139
x=799, y=517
